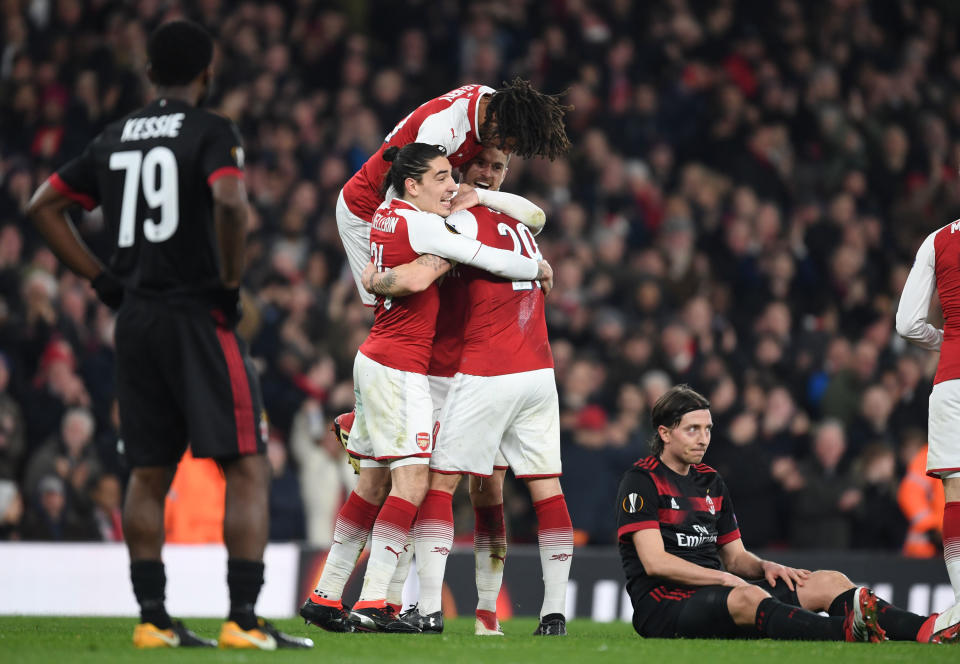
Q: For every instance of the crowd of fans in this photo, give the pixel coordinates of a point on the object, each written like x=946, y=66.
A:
x=748, y=185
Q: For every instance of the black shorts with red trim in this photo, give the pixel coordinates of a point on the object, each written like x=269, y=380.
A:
x=696, y=612
x=181, y=378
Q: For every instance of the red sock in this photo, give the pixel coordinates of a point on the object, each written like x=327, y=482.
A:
x=951, y=544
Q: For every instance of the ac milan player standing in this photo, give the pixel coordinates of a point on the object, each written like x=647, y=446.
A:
x=169, y=179
x=937, y=267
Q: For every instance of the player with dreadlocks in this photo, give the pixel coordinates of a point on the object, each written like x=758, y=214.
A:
x=515, y=118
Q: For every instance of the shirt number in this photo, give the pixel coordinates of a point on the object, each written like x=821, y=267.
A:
x=155, y=175
x=376, y=253
x=522, y=237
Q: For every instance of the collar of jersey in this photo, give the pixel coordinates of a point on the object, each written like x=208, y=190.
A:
x=405, y=203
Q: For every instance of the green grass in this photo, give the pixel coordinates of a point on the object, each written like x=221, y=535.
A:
x=107, y=640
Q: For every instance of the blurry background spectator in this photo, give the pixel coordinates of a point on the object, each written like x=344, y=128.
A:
x=746, y=191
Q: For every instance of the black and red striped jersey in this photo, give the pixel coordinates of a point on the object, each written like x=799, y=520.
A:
x=152, y=172
x=693, y=512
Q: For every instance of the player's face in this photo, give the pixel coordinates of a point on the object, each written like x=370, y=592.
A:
x=687, y=442
x=435, y=188
x=487, y=169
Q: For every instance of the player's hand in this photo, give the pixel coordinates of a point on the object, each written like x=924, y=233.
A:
x=228, y=309
x=366, y=277
x=545, y=277
x=731, y=580
x=792, y=576
x=466, y=197
x=109, y=289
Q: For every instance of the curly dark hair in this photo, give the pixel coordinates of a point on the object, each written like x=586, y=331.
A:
x=530, y=119
x=670, y=409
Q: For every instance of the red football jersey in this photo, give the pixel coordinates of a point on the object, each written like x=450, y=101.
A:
x=449, y=120
x=448, y=340
x=505, y=330
x=937, y=266
x=403, y=329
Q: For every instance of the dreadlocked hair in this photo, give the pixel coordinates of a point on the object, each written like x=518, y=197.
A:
x=410, y=161
x=531, y=118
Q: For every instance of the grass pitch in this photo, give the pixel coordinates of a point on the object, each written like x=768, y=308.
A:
x=107, y=640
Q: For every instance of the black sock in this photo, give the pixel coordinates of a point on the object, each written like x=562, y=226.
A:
x=901, y=625
x=776, y=620
x=149, y=585
x=842, y=604
x=244, y=578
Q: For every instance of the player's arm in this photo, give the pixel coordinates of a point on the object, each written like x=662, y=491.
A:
x=48, y=211
x=230, y=224
x=657, y=562
x=431, y=234
x=737, y=560
x=405, y=279
x=914, y=304
x=518, y=207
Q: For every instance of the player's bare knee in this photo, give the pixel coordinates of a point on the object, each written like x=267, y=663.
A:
x=542, y=488
x=444, y=482
x=742, y=602
x=821, y=588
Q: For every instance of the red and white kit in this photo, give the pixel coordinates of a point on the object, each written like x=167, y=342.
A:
x=450, y=120
x=937, y=266
x=394, y=410
x=504, y=395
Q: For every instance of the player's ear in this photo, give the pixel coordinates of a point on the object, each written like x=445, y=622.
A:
x=150, y=73
x=664, y=433
x=412, y=186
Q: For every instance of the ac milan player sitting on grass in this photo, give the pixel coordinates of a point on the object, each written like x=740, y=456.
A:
x=678, y=533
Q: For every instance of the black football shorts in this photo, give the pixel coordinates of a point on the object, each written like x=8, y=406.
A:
x=674, y=611
x=183, y=379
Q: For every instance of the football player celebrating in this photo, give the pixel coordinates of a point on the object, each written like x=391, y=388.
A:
x=500, y=408
x=392, y=433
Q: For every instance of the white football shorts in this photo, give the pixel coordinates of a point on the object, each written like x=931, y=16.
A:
x=519, y=414
x=394, y=414
x=943, y=453
x=355, y=235
x=439, y=387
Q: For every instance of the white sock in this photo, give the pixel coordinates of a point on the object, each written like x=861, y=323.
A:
x=350, y=534
x=555, y=535
x=395, y=589
x=433, y=537
x=489, y=550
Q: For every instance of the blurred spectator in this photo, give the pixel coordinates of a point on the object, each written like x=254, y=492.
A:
x=12, y=438
x=921, y=500
x=52, y=516
x=71, y=456
x=286, y=508
x=739, y=209
x=822, y=504
x=106, y=494
x=325, y=476
x=11, y=510
x=878, y=523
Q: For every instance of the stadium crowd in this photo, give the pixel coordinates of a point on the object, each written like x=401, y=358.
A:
x=748, y=185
